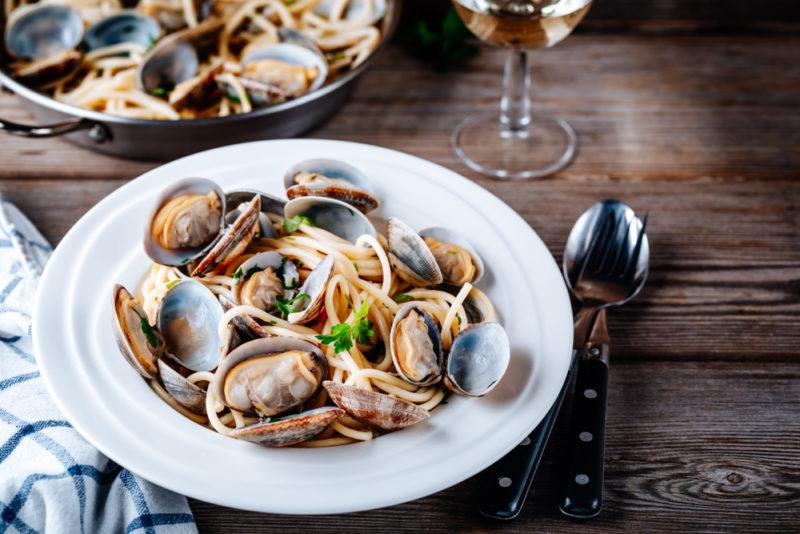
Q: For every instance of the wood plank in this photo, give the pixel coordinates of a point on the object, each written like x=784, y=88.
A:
x=683, y=108
x=678, y=459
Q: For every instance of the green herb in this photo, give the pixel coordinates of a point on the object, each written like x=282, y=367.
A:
x=149, y=333
x=272, y=323
x=287, y=306
x=172, y=284
x=445, y=43
x=355, y=266
x=343, y=334
x=233, y=98
x=159, y=91
x=335, y=56
x=291, y=225
x=281, y=274
x=238, y=275
x=402, y=297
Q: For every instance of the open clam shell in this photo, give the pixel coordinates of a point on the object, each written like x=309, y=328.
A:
x=140, y=343
x=454, y=266
x=291, y=429
x=477, y=360
x=334, y=216
x=331, y=178
x=375, y=409
x=269, y=204
x=270, y=376
x=411, y=257
x=314, y=286
x=234, y=239
x=41, y=30
x=416, y=346
x=270, y=259
x=184, y=392
x=187, y=319
x=127, y=26
x=207, y=232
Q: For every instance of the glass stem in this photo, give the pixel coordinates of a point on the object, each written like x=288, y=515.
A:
x=515, y=106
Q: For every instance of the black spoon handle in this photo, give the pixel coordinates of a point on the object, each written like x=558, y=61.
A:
x=582, y=495
x=503, y=487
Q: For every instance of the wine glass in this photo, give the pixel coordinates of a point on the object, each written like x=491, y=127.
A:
x=517, y=143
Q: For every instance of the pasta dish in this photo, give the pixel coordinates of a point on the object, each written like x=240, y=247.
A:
x=296, y=322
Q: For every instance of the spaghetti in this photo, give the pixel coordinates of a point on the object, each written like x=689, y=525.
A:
x=105, y=79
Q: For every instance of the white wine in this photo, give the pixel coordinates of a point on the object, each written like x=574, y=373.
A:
x=519, y=23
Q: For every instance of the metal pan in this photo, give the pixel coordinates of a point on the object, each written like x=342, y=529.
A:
x=165, y=139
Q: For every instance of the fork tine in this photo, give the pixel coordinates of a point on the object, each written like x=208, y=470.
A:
x=598, y=253
x=633, y=260
x=621, y=249
x=596, y=244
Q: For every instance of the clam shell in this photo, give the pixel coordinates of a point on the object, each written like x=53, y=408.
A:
x=41, y=30
x=233, y=241
x=446, y=235
x=433, y=332
x=289, y=430
x=354, y=11
x=263, y=347
x=410, y=256
x=477, y=360
x=269, y=204
x=361, y=195
x=143, y=359
x=184, y=392
x=126, y=26
x=188, y=319
x=375, y=409
x=334, y=216
x=272, y=259
x=314, y=286
x=179, y=257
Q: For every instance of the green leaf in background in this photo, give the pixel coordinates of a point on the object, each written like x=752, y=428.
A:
x=446, y=45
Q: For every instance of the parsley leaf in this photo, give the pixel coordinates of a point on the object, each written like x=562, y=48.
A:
x=343, y=334
x=171, y=284
x=291, y=225
x=402, y=297
x=287, y=306
x=149, y=333
x=238, y=275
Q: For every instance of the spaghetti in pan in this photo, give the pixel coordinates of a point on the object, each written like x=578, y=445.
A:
x=184, y=59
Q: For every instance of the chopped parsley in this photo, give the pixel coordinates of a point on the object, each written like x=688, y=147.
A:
x=291, y=225
x=402, y=297
x=355, y=266
x=343, y=334
x=233, y=98
x=173, y=283
x=287, y=306
x=272, y=323
x=149, y=333
x=159, y=91
x=238, y=275
x=293, y=282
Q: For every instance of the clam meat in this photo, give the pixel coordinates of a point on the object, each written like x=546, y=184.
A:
x=416, y=346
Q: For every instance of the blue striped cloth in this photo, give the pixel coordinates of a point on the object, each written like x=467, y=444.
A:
x=51, y=479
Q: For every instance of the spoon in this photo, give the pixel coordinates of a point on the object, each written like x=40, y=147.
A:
x=612, y=272
x=505, y=485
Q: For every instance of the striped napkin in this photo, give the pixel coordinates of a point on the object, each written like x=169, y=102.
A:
x=51, y=479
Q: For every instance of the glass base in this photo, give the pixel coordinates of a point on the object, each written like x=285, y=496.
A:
x=546, y=146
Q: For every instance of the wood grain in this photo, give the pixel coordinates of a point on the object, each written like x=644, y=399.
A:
x=681, y=108
x=678, y=459
x=702, y=131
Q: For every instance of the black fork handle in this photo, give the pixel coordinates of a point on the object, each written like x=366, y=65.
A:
x=503, y=487
x=582, y=496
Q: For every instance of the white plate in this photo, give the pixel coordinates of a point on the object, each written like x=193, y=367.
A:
x=104, y=398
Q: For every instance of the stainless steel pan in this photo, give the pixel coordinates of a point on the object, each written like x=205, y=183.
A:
x=165, y=139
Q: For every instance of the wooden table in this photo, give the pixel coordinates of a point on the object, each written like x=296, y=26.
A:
x=702, y=131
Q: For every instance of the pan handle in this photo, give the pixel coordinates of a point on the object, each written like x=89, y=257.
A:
x=98, y=132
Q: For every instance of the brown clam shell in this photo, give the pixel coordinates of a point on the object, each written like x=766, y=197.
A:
x=289, y=430
x=234, y=241
x=375, y=409
x=184, y=392
x=362, y=200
